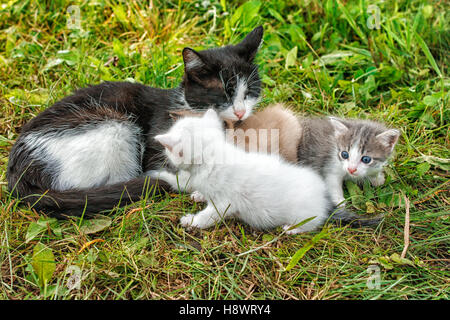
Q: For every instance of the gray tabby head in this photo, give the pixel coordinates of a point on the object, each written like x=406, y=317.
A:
x=363, y=146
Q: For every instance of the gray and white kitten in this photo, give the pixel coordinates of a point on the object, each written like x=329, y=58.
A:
x=342, y=149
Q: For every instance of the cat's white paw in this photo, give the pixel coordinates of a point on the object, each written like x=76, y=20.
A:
x=338, y=200
x=196, y=196
x=292, y=231
x=187, y=221
x=378, y=180
x=199, y=220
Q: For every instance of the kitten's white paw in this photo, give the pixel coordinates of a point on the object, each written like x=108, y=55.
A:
x=338, y=201
x=199, y=220
x=292, y=231
x=378, y=180
x=187, y=221
x=198, y=197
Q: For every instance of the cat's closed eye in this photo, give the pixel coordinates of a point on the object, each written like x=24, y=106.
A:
x=230, y=94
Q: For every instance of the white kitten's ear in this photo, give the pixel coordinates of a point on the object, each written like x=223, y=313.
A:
x=339, y=128
x=389, y=138
x=192, y=60
x=211, y=114
x=167, y=140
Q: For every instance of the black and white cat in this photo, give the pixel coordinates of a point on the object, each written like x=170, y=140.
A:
x=88, y=151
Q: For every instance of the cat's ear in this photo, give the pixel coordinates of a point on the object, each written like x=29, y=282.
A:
x=248, y=47
x=167, y=140
x=339, y=128
x=212, y=115
x=192, y=60
x=389, y=138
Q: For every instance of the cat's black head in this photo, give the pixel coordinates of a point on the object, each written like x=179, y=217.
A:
x=225, y=79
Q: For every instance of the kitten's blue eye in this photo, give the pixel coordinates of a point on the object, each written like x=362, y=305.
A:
x=344, y=155
x=366, y=159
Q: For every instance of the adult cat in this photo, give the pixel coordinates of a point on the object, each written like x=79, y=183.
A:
x=88, y=152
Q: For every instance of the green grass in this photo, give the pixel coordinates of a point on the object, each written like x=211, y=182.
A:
x=320, y=57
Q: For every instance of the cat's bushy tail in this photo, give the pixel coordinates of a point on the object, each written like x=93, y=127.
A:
x=344, y=216
x=90, y=201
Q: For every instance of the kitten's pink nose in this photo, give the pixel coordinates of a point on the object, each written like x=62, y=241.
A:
x=351, y=170
x=239, y=114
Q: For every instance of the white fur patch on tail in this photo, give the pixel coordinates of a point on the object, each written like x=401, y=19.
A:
x=91, y=156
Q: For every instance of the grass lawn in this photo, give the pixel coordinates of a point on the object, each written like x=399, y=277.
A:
x=382, y=60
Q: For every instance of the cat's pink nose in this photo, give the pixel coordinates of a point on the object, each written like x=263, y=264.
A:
x=239, y=114
x=351, y=170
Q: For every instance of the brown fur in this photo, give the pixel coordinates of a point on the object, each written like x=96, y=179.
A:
x=276, y=117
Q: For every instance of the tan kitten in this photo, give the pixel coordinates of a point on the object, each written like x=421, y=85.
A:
x=276, y=119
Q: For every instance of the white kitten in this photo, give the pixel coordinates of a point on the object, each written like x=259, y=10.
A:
x=259, y=189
